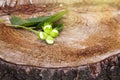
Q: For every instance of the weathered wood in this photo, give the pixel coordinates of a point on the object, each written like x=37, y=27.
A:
x=87, y=37
x=24, y=57
x=108, y=69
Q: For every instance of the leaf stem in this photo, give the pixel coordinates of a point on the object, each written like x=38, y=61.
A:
x=30, y=29
x=18, y=26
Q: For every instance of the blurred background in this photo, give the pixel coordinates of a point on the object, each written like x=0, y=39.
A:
x=12, y=2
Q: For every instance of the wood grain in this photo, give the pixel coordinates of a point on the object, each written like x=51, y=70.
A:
x=87, y=49
x=89, y=36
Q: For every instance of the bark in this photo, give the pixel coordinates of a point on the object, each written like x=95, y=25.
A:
x=108, y=69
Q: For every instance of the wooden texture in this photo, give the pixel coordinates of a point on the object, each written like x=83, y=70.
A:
x=88, y=37
x=108, y=69
x=87, y=49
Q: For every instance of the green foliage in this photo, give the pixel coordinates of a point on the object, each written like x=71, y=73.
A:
x=50, y=30
x=18, y=21
x=56, y=16
x=29, y=22
x=39, y=21
x=59, y=27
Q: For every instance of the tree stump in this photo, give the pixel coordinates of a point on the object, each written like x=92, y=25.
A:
x=87, y=49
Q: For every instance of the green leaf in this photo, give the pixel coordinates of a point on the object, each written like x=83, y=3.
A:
x=28, y=22
x=17, y=20
x=56, y=16
x=39, y=21
x=53, y=18
x=36, y=21
x=59, y=27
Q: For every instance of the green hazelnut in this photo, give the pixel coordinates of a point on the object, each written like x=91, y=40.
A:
x=47, y=28
x=42, y=35
x=50, y=40
x=54, y=33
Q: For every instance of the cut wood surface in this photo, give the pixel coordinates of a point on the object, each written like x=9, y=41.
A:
x=87, y=37
x=87, y=49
